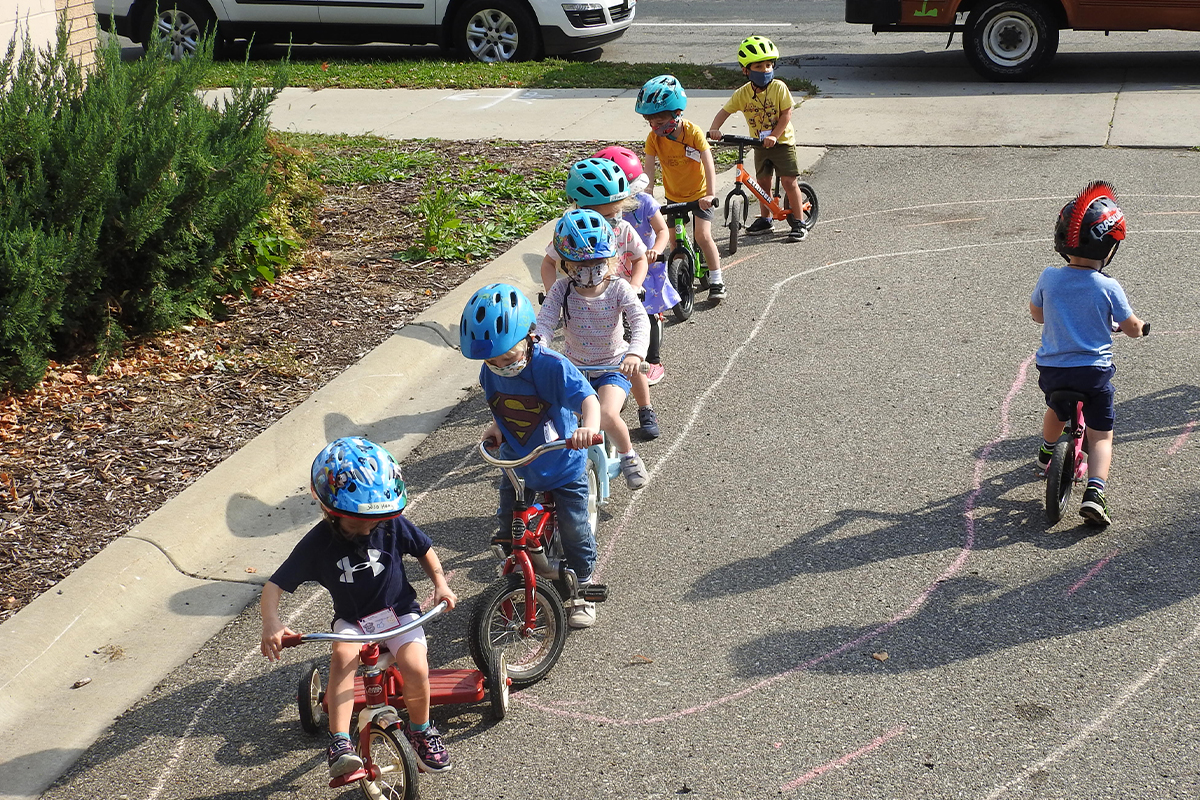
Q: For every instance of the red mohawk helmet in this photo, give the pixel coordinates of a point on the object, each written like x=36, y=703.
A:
x=1092, y=225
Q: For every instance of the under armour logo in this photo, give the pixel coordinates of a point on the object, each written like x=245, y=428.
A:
x=348, y=570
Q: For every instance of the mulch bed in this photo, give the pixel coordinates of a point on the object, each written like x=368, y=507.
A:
x=83, y=458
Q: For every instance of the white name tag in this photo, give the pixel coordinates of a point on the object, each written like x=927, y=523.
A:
x=691, y=153
x=380, y=621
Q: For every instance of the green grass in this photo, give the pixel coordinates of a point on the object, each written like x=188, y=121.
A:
x=432, y=74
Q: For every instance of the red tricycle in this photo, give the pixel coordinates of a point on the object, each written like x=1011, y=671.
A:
x=389, y=765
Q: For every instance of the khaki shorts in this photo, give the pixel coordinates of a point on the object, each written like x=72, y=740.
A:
x=780, y=159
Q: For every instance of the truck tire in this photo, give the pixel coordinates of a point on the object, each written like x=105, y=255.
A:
x=1012, y=40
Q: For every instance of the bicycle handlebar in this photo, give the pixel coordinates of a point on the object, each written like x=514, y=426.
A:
x=668, y=209
x=1145, y=328
x=643, y=368
x=558, y=444
x=294, y=639
x=741, y=141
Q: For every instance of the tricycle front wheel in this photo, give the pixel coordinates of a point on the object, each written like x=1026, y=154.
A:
x=497, y=622
x=396, y=762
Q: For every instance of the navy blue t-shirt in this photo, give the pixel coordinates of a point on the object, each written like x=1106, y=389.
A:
x=363, y=576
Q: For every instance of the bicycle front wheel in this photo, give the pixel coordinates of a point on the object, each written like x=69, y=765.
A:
x=1060, y=477
x=735, y=218
x=681, y=271
x=397, y=764
x=496, y=625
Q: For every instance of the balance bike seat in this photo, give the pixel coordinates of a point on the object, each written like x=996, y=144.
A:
x=450, y=686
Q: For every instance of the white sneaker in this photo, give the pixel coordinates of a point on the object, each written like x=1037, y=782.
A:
x=634, y=471
x=583, y=613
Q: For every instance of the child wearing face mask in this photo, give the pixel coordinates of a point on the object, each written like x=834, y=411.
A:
x=536, y=396
x=688, y=170
x=591, y=301
x=767, y=104
x=600, y=185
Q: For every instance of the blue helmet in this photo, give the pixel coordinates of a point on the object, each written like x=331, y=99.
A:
x=596, y=181
x=582, y=234
x=663, y=93
x=354, y=477
x=494, y=320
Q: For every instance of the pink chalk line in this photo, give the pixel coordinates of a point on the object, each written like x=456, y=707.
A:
x=1182, y=438
x=525, y=699
x=1092, y=572
x=844, y=760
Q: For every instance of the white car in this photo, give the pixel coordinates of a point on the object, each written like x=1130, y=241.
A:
x=486, y=30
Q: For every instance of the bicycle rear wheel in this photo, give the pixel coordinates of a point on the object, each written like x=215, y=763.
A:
x=735, y=218
x=808, y=196
x=681, y=271
x=1060, y=478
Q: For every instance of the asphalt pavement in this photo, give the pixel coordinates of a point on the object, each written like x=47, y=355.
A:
x=837, y=581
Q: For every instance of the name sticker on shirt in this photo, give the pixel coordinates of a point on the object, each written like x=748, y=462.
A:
x=380, y=621
x=691, y=153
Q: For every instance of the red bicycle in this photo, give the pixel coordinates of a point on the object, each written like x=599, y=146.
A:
x=389, y=766
x=521, y=615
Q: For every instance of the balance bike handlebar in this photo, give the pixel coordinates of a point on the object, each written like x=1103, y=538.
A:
x=678, y=209
x=294, y=639
x=558, y=444
x=643, y=368
x=741, y=141
x=1145, y=328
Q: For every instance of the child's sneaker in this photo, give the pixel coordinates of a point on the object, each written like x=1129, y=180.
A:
x=760, y=226
x=427, y=744
x=648, y=421
x=797, y=232
x=655, y=374
x=583, y=613
x=716, y=291
x=1095, y=508
x=342, y=758
x=1042, y=462
x=634, y=472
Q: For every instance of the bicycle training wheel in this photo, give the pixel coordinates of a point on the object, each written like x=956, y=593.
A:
x=681, y=271
x=496, y=624
x=808, y=196
x=1060, y=478
x=308, y=698
x=735, y=218
x=397, y=765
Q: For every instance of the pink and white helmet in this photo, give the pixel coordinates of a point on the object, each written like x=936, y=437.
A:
x=629, y=163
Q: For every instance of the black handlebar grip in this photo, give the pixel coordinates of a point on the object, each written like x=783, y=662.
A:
x=1145, y=329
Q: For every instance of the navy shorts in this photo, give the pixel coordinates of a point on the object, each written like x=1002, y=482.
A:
x=1095, y=383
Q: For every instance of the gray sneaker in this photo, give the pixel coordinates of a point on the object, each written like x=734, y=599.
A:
x=759, y=227
x=634, y=471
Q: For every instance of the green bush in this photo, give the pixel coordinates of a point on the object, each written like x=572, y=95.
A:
x=125, y=200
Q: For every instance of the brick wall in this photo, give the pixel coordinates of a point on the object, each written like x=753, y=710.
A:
x=40, y=19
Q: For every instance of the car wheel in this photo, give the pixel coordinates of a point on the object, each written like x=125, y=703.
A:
x=1010, y=41
x=496, y=31
x=179, y=24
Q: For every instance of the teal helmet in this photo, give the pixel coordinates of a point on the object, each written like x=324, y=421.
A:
x=582, y=234
x=596, y=181
x=663, y=93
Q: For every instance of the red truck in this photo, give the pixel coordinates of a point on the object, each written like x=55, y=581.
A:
x=1014, y=40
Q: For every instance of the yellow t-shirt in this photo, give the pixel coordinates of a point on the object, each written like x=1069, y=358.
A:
x=681, y=162
x=762, y=110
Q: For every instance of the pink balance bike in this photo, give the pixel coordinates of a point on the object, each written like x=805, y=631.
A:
x=389, y=770
x=1068, y=465
x=521, y=615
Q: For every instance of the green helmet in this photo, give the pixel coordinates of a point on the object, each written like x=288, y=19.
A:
x=757, y=48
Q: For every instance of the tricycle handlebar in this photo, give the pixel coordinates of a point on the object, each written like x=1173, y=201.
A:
x=294, y=639
x=558, y=444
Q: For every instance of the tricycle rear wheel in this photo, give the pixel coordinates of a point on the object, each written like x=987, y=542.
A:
x=308, y=698
x=497, y=684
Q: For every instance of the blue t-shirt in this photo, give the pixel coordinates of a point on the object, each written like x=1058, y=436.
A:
x=363, y=576
x=1079, y=306
x=539, y=406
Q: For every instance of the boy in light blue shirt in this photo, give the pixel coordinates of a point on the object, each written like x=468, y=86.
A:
x=1078, y=305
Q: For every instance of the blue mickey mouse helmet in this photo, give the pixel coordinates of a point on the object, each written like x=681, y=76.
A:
x=354, y=477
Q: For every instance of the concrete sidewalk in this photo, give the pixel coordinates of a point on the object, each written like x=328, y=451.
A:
x=141, y=607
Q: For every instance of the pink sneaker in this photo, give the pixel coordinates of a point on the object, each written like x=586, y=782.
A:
x=655, y=374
